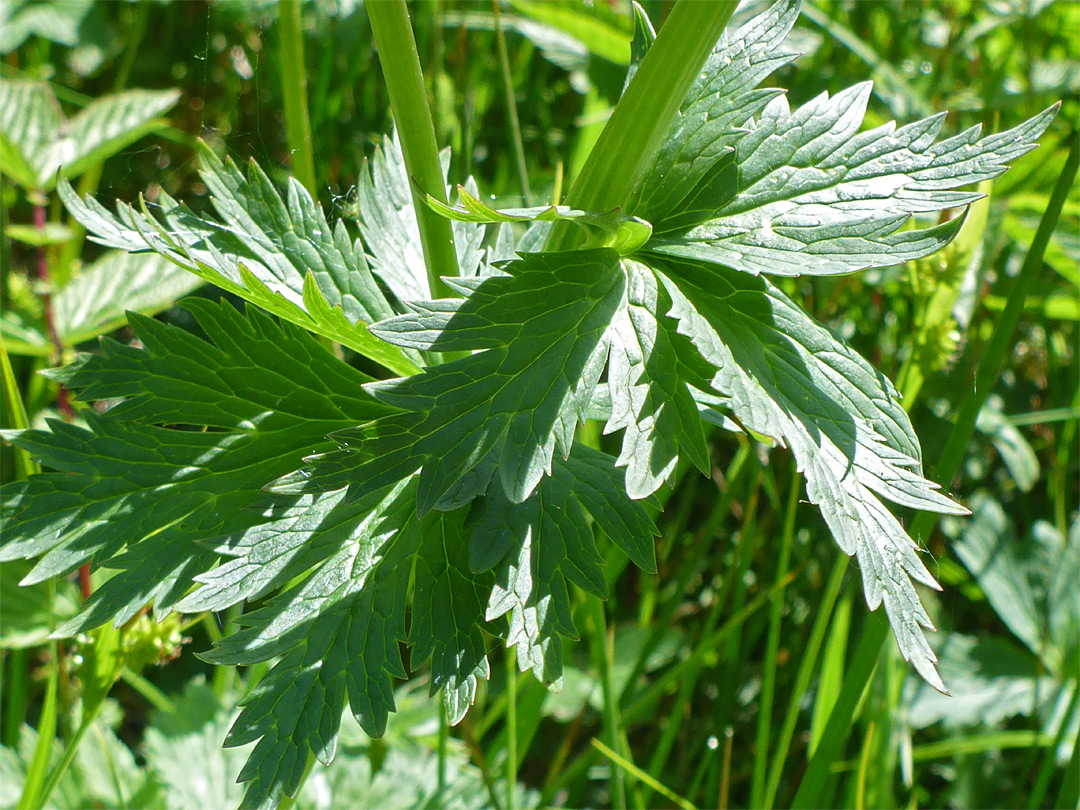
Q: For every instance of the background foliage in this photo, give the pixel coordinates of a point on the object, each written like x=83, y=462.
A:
x=711, y=682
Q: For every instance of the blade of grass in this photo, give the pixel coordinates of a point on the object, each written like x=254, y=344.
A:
x=863, y=662
x=444, y=733
x=32, y=796
x=57, y=773
x=691, y=564
x=832, y=671
x=637, y=773
x=1049, y=765
x=603, y=655
x=14, y=689
x=802, y=677
x=688, y=683
x=294, y=94
x=511, y=105
x=664, y=683
x=1069, y=796
x=511, y=727
x=768, y=684
x=967, y=744
x=25, y=466
x=864, y=761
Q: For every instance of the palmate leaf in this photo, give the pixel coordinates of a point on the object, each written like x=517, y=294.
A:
x=388, y=224
x=96, y=301
x=816, y=196
x=432, y=508
x=805, y=192
x=788, y=378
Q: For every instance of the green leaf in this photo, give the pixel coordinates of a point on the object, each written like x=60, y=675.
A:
x=448, y=611
x=96, y=300
x=788, y=378
x=388, y=224
x=337, y=635
x=53, y=233
x=37, y=141
x=187, y=741
x=278, y=253
x=649, y=368
x=505, y=407
x=816, y=196
x=991, y=680
x=124, y=479
x=545, y=542
x=334, y=635
x=1010, y=443
x=30, y=612
x=620, y=233
x=602, y=31
x=695, y=163
x=54, y=20
x=1031, y=583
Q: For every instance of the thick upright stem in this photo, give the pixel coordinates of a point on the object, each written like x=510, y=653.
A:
x=630, y=140
x=412, y=116
x=294, y=91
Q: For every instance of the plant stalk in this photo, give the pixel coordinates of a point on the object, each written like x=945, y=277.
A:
x=511, y=729
x=412, y=117
x=633, y=135
x=294, y=92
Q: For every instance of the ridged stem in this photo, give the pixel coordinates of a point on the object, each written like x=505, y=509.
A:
x=412, y=117
x=633, y=135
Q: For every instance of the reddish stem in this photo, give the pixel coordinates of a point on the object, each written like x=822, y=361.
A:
x=84, y=581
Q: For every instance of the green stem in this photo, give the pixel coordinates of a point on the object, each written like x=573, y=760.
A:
x=25, y=466
x=511, y=105
x=294, y=92
x=604, y=655
x=412, y=117
x=444, y=733
x=633, y=135
x=15, y=692
x=154, y=696
x=32, y=795
x=1049, y=765
x=511, y=729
